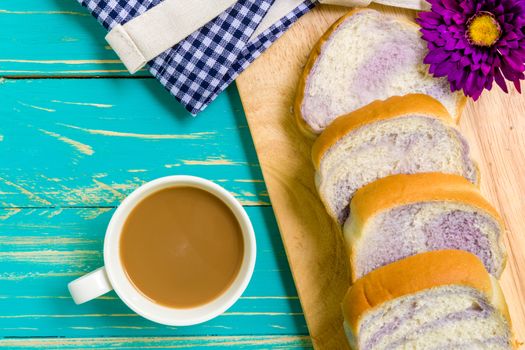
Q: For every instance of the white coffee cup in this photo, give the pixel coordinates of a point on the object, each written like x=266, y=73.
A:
x=113, y=276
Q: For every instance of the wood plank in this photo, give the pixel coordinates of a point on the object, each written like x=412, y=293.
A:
x=494, y=126
x=41, y=250
x=215, y=342
x=75, y=142
x=54, y=37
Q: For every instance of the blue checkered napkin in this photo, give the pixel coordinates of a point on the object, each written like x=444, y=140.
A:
x=257, y=46
x=201, y=66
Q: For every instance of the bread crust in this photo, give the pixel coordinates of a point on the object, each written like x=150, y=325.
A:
x=392, y=107
x=312, y=58
x=402, y=189
x=314, y=54
x=417, y=273
x=397, y=190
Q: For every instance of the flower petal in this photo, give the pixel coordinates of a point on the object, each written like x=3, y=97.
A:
x=488, y=82
x=467, y=67
x=485, y=68
x=436, y=56
x=498, y=77
x=450, y=4
x=464, y=61
x=451, y=44
x=514, y=63
x=517, y=85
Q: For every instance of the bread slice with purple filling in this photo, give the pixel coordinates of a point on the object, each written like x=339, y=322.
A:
x=401, y=135
x=435, y=300
x=402, y=215
x=366, y=56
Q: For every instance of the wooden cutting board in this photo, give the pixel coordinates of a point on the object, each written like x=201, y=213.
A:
x=494, y=126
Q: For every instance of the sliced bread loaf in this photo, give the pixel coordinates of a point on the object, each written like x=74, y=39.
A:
x=436, y=300
x=366, y=56
x=401, y=135
x=402, y=215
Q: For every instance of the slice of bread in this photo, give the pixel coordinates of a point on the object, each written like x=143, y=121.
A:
x=401, y=135
x=402, y=215
x=366, y=56
x=435, y=300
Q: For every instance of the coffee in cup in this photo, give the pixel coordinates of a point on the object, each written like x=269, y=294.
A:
x=181, y=247
x=179, y=250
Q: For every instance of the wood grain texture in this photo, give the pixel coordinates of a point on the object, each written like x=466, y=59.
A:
x=71, y=149
x=494, y=126
x=76, y=142
x=54, y=37
x=41, y=250
x=214, y=342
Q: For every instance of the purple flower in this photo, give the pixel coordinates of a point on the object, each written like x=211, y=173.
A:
x=474, y=42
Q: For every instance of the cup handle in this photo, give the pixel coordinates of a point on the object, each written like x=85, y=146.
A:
x=90, y=286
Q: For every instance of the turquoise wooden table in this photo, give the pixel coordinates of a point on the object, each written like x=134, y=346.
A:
x=77, y=134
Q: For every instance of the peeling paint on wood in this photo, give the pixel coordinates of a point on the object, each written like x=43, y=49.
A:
x=89, y=104
x=40, y=255
x=37, y=107
x=192, y=136
x=221, y=342
x=63, y=72
x=25, y=192
x=44, y=13
x=93, y=213
x=136, y=140
x=9, y=213
x=133, y=131
x=79, y=146
x=211, y=161
x=73, y=62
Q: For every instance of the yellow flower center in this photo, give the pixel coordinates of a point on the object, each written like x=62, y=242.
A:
x=483, y=29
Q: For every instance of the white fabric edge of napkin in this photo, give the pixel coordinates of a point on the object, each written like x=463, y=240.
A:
x=279, y=9
x=161, y=27
x=409, y=4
